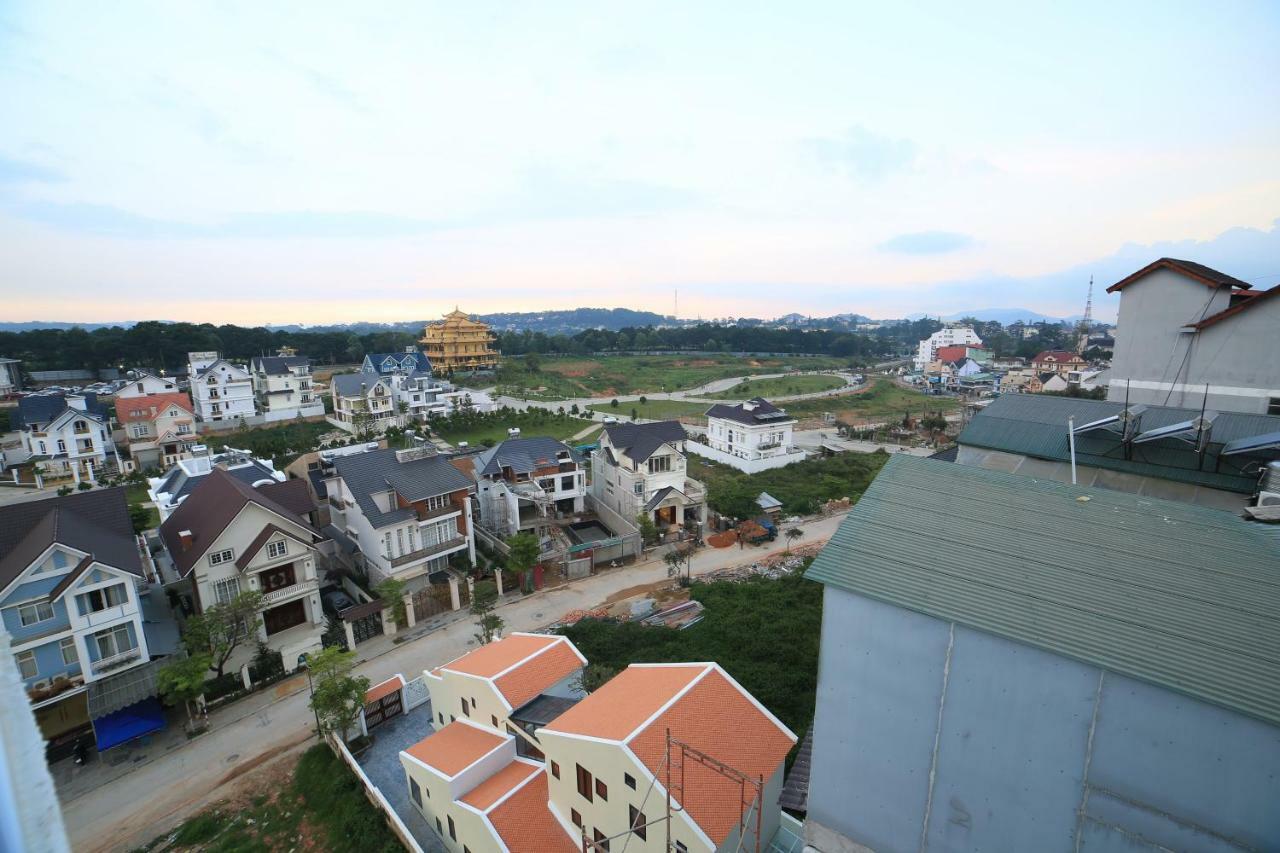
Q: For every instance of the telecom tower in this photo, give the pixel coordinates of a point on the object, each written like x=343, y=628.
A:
x=1086, y=322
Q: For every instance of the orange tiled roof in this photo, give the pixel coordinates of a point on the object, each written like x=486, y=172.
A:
x=383, y=689
x=455, y=747
x=625, y=701
x=489, y=660
x=491, y=790
x=524, y=822
x=130, y=409
x=716, y=717
x=536, y=675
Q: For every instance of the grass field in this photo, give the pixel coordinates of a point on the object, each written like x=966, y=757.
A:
x=882, y=400
x=802, y=487
x=489, y=429
x=656, y=410
x=609, y=376
x=763, y=632
x=781, y=386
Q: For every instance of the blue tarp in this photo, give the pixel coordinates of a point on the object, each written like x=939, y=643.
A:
x=138, y=719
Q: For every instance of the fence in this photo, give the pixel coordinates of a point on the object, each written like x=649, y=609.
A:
x=750, y=466
x=415, y=693
x=278, y=419
x=375, y=796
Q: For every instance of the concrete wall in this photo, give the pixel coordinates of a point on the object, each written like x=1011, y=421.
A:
x=751, y=466
x=933, y=736
x=1238, y=358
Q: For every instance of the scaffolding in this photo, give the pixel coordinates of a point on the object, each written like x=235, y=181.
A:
x=750, y=798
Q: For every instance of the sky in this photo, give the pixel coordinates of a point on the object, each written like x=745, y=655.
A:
x=323, y=162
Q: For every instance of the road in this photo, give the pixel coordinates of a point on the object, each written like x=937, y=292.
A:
x=156, y=796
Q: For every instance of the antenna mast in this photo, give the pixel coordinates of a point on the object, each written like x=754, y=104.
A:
x=1087, y=320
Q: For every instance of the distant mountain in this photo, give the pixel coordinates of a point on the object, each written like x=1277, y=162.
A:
x=1005, y=316
x=31, y=325
x=572, y=321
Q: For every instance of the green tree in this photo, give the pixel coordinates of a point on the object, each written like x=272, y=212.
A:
x=792, y=534
x=648, y=530
x=140, y=516
x=593, y=677
x=337, y=696
x=183, y=681
x=532, y=362
x=677, y=557
x=524, y=554
x=482, y=606
x=362, y=424
x=643, y=400
x=613, y=403
x=391, y=591
x=222, y=628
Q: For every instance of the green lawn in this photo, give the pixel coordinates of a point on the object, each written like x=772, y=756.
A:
x=136, y=493
x=882, y=399
x=491, y=428
x=283, y=443
x=763, y=632
x=560, y=377
x=324, y=803
x=802, y=487
x=656, y=410
x=781, y=386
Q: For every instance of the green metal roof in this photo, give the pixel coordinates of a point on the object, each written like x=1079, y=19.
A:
x=1036, y=425
x=1175, y=594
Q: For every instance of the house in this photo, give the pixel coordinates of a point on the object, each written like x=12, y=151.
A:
x=365, y=404
x=642, y=469
x=520, y=760
x=1101, y=685
x=960, y=352
x=82, y=615
x=282, y=386
x=392, y=363
x=221, y=391
x=10, y=376
x=458, y=343
x=160, y=429
x=950, y=336
x=1057, y=361
x=752, y=436
x=1153, y=451
x=523, y=484
x=67, y=435
x=170, y=489
x=146, y=384
x=407, y=511
x=1184, y=328
x=227, y=537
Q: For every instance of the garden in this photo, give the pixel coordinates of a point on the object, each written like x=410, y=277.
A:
x=490, y=428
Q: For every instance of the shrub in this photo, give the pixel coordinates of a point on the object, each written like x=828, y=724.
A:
x=221, y=686
x=336, y=803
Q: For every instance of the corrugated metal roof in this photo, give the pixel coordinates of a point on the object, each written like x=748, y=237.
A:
x=1036, y=425
x=1178, y=595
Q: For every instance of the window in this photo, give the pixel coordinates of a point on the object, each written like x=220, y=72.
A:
x=584, y=783
x=629, y=780
x=27, y=664
x=452, y=833
x=1273, y=405
x=575, y=817
x=602, y=790
x=184, y=429
x=566, y=484
x=415, y=793
x=602, y=842
x=277, y=549
x=638, y=823
x=439, y=829
x=659, y=464
x=441, y=716
x=68, y=648
x=555, y=769
x=639, y=487
x=217, y=558
x=225, y=590
x=437, y=502
x=113, y=642
x=680, y=848
x=62, y=446
x=466, y=708
x=139, y=430
x=400, y=540
x=493, y=720
x=96, y=600
x=37, y=611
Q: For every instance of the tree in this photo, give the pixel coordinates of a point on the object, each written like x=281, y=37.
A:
x=337, y=697
x=391, y=591
x=648, y=530
x=635, y=415
x=482, y=605
x=524, y=554
x=573, y=410
x=792, y=534
x=183, y=681
x=362, y=424
x=220, y=629
x=593, y=677
x=613, y=403
x=675, y=558
x=140, y=516
x=643, y=400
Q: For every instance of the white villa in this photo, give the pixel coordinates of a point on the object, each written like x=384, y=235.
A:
x=221, y=391
x=282, y=386
x=169, y=490
x=146, y=384
x=752, y=436
x=642, y=468
x=68, y=435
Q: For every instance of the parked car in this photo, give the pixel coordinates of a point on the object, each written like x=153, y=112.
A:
x=335, y=601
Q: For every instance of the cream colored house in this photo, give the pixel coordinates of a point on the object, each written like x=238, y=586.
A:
x=642, y=468
x=160, y=429
x=555, y=771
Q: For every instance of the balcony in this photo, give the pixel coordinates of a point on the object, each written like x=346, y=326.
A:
x=338, y=503
x=278, y=595
x=428, y=514
x=107, y=614
x=115, y=661
x=429, y=551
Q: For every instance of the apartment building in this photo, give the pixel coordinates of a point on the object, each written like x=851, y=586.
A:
x=521, y=760
x=408, y=512
x=642, y=469
x=282, y=386
x=526, y=484
x=160, y=429
x=221, y=391
x=67, y=435
x=950, y=336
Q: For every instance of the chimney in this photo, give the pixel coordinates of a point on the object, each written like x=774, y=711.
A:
x=186, y=538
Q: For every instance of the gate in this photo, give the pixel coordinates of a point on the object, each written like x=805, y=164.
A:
x=379, y=711
x=367, y=627
x=431, y=600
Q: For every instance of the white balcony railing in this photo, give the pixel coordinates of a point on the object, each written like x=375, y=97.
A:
x=119, y=659
x=105, y=615
x=278, y=595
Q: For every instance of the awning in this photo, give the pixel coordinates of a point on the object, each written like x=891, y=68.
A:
x=119, y=727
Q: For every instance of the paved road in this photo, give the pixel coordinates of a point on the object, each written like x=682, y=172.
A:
x=158, y=795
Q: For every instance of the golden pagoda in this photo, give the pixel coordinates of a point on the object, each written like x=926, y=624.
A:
x=459, y=343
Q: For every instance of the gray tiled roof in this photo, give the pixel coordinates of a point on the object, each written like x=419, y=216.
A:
x=764, y=413
x=96, y=522
x=522, y=455
x=278, y=365
x=639, y=441
x=1177, y=595
x=43, y=408
x=348, y=384
x=416, y=362
x=377, y=471
x=249, y=474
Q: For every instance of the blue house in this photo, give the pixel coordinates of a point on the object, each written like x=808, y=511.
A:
x=387, y=363
x=76, y=604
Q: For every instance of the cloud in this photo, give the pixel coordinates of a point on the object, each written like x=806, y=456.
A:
x=863, y=154
x=14, y=172
x=927, y=243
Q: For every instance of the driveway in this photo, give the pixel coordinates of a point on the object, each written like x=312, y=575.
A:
x=381, y=763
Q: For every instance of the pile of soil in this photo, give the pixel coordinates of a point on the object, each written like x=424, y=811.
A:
x=723, y=540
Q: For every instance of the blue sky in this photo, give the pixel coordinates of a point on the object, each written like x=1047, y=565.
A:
x=316, y=162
